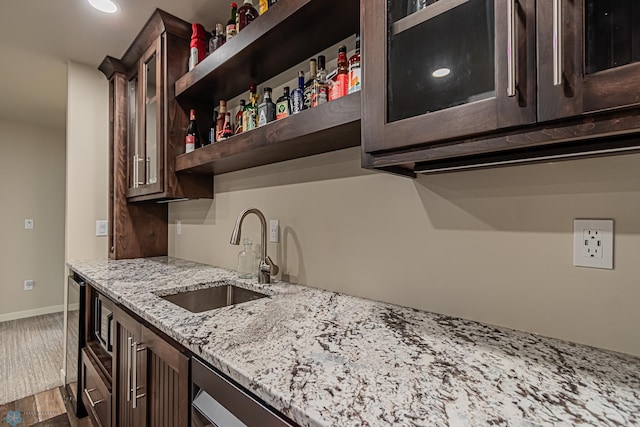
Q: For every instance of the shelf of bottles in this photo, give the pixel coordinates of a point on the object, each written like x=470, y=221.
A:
x=315, y=113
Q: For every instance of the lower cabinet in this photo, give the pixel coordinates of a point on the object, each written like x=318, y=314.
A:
x=96, y=392
x=151, y=377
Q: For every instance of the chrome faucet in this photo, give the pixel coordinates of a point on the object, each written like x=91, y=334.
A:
x=267, y=267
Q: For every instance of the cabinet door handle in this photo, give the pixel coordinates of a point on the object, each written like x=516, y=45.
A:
x=557, y=43
x=134, y=388
x=130, y=344
x=87, y=393
x=511, y=48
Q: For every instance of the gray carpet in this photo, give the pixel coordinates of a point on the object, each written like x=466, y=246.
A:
x=30, y=356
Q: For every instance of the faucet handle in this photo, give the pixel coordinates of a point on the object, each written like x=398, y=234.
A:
x=268, y=266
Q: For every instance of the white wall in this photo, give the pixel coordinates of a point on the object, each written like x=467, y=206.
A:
x=87, y=162
x=492, y=245
x=87, y=165
x=31, y=186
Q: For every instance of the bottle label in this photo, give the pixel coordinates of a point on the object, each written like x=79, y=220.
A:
x=212, y=135
x=262, y=117
x=251, y=120
x=297, y=101
x=264, y=5
x=193, y=58
x=320, y=96
x=282, y=110
x=190, y=144
x=231, y=31
x=354, y=80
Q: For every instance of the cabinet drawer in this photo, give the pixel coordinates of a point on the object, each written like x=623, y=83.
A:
x=96, y=392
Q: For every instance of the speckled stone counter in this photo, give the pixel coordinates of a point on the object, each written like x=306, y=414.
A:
x=327, y=359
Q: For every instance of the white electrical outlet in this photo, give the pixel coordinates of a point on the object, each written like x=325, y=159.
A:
x=28, y=224
x=28, y=285
x=178, y=227
x=274, y=230
x=593, y=243
x=102, y=228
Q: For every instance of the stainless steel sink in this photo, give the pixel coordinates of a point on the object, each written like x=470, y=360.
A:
x=211, y=298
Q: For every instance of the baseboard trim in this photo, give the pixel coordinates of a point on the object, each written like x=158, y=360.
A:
x=31, y=313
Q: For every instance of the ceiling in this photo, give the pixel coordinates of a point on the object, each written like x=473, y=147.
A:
x=38, y=37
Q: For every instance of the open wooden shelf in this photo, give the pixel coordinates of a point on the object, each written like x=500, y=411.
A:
x=331, y=126
x=290, y=32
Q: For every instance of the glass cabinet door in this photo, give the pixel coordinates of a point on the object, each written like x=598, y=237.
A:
x=589, y=56
x=450, y=68
x=144, y=133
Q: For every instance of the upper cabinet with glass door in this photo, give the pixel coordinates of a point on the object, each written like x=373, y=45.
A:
x=146, y=147
x=444, y=69
x=588, y=56
x=469, y=79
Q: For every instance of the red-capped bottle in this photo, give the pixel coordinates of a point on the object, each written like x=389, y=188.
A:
x=198, y=50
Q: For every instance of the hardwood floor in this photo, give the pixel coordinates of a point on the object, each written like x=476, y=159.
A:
x=46, y=409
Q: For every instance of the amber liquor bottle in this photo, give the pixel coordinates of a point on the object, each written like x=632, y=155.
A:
x=246, y=14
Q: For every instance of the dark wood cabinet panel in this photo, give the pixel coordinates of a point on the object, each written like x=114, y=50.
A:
x=96, y=392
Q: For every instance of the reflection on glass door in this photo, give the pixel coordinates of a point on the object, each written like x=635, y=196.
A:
x=440, y=55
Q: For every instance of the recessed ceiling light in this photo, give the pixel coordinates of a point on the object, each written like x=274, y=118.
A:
x=441, y=72
x=106, y=6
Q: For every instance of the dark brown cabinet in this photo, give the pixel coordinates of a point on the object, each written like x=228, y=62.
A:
x=146, y=134
x=451, y=84
x=152, y=377
x=269, y=46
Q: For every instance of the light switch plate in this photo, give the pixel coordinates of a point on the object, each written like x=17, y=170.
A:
x=178, y=227
x=593, y=243
x=102, y=228
x=274, y=230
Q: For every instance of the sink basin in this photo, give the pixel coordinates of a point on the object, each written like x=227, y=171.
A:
x=211, y=298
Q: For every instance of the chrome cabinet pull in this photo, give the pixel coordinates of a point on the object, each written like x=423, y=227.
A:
x=511, y=48
x=87, y=393
x=130, y=342
x=557, y=43
x=135, y=388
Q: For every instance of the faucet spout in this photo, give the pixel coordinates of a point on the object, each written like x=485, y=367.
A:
x=267, y=267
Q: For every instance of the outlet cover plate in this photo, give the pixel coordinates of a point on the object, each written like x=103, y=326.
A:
x=28, y=224
x=274, y=231
x=593, y=243
x=28, y=285
x=102, y=228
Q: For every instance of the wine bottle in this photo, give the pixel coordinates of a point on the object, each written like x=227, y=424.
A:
x=231, y=23
x=266, y=110
x=283, y=105
x=246, y=14
x=192, y=140
x=297, y=95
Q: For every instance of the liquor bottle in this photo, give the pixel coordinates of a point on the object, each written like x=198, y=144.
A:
x=231, y=23
x=239, y=116
x=266, y=110
x=217, y=38
x=283, y=105
x=308, y=85
x=227, y=128
x=339, y=83
x=222, y=111
x=263, y=5
x=320, y=92
x=212, y=130
x=246, y=14
x=197, y=50
x=192, y=139
x=354, y=68
x=250, y=113
x=297, y=95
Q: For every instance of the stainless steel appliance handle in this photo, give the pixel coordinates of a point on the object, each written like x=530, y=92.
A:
x=87, y=393
x=558, y=53
x=135, y=171
x=130, y=344
x=511, y=48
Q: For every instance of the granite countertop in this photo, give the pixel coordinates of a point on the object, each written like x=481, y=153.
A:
x=327, y=359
